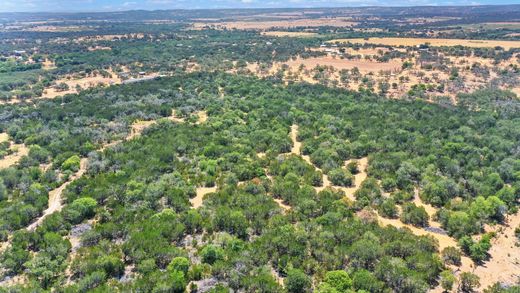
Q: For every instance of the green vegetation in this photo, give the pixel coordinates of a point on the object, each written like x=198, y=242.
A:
x=128, y=223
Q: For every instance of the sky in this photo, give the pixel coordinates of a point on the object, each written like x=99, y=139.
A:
x=119, y=5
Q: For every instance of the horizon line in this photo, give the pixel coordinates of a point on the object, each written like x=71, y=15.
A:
x=256, y=8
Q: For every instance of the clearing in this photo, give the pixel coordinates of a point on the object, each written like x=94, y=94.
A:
x=20, y=150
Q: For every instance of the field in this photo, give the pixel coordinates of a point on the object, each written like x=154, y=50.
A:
x=288, y=34
x=433, y=42
x=289, y=23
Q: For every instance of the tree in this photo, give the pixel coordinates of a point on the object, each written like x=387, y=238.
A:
x=339, y=280
x=447, y=280
x=72, y=163
x=180, y=264
x=297, y=281
x=388, y=209
x=340, y=177
x=412, y=214
x=451, y=256
x=365, y=280
x=468, y=282
x=211, y=253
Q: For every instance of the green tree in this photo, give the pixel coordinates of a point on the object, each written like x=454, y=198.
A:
x=447, y=280
x=468, y=282
x=297, y=281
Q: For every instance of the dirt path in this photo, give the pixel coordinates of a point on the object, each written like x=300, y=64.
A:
x=358, y=178
x=443, y=239
x=430, y=210
x=55, y=203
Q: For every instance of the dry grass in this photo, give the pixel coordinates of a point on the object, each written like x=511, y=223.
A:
x=364, y=66
x=53, y=28
x=289, y=23
x=432, y=42
x=20, y=150
x=289, y=34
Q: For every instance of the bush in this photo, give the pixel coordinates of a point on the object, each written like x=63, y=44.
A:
x=414, y=215
x=211, y=253
x=180, y=264
x=388, y=209
x=353, y=167
x=451, y=256
x=72, y=163
x=340, y=177
x=297, y=281
x=80, y=209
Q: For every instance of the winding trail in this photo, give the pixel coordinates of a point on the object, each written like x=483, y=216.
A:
x=55, y=204
x=358, y=178
x=443, y=239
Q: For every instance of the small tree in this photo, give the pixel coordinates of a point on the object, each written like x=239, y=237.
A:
x=451, y=256
x=414, y=215
x=468, y=282
x=447, y=280
x=297, y=281
x=340, y=177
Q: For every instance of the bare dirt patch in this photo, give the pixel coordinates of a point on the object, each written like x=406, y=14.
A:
x=504, y=263
x=20, y=150
x=196, y=202
x=83, y=83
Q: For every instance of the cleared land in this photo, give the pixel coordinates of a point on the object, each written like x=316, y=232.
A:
x=264, y=25
x=364, y=66
x=433, y=42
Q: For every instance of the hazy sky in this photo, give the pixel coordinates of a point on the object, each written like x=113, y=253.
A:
x=114, y=5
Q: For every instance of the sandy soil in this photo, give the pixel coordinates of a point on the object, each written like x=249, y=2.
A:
x=8, y=161
x=434, y=42
x=203, y=117
x=196, y=202
x=55, y=204
x=504, y=263
x=4, y=137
